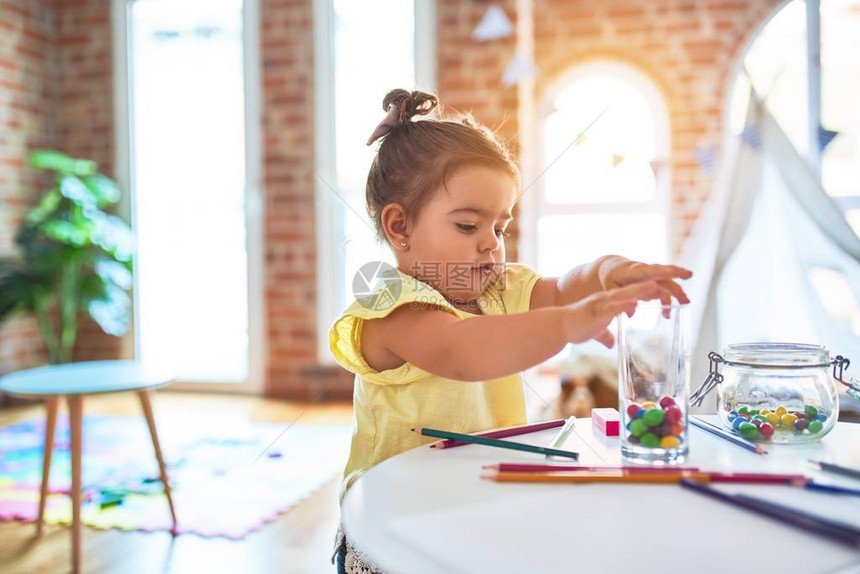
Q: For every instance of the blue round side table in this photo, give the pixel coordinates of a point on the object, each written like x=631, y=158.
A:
x=74, y=381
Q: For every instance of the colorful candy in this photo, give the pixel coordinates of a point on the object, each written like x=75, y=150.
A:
x=673, y=414
x=650, y=440
x=787, y=420
x=654, y=417
x=670, y=441
x=756, y=424
x=655, y=424
x=748, y=430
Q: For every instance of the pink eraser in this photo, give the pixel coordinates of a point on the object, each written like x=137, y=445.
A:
x=607, y=421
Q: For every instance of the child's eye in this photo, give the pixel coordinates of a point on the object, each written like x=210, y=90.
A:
x=466, y=228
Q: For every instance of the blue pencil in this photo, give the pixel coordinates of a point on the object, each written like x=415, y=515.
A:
x=837, y=531
x=496, y=443
x=829, y=488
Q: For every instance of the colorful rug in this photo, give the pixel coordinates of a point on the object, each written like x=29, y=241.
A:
x=220, y=487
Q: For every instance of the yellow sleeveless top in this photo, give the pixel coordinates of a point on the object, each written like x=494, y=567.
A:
x=389, y=403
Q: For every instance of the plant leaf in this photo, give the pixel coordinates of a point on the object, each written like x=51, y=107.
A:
x=114, y=236
x=112, y=312
x=57, y=161
x=45, y=208
x=114, y=272
x=73, y=188
x=104, y=189
x=65, y=232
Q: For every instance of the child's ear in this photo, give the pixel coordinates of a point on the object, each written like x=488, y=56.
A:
x=394, y=220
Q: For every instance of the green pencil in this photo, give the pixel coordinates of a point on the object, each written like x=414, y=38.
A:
x=495, y=442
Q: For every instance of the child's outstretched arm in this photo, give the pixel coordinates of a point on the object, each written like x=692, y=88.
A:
x=608, y=272
x=492, y=346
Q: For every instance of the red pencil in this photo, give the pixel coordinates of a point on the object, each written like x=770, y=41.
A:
x=512, y=431
x=757, y=478
x=518, y=467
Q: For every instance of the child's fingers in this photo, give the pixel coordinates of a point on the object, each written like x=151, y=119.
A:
x=644, y=291
x=614, y=308
x=666, y=301
x=606, y=338
x=675, y=290
x=671, y=271
x=664, y=272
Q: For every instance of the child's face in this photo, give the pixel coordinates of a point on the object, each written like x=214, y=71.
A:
x=460, y=229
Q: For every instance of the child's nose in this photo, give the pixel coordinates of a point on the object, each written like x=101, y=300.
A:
x=490, y=242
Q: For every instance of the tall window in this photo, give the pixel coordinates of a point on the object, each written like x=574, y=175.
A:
x=189, y=171
x=604, y=149
x=777, y=64
x=370, y=56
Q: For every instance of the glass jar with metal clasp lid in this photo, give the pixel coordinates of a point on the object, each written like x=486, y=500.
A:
x=779, y=393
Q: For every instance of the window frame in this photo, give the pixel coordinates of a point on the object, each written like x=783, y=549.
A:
x=254, y=220
x=329, y=208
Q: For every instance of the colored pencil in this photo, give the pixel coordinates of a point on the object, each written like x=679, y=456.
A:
x=837, y=469
x=495, y=442
x=541, y=467
x=837, y=531
x=512, y=431
x=588, y=477
x=722, y=433
x=810, y=485
x=561, y=437
x=652, y=477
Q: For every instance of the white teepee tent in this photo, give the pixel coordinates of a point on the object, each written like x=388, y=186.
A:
x=765, y=237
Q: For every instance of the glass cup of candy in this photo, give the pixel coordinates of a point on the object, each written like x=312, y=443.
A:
x=654, y=371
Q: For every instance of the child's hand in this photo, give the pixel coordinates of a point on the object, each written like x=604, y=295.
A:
x=588, y=318
x=618, y=271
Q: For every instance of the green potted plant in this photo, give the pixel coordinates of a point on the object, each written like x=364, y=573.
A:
x=73, y=257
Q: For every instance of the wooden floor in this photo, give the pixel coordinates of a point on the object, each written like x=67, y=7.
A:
x=299, y=541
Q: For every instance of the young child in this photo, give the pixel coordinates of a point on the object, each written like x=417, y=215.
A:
x=442, y=341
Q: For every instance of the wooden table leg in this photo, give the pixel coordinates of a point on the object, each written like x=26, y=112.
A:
x=150, y=420
x=51, y=406
x=76, y=430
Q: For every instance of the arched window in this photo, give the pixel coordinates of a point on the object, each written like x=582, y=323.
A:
x=603, y=140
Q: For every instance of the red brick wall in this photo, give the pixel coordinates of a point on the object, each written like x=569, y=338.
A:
x=686, y=46
x=469, y=77
x=27, y=109
x=85, y=117
x=290, y=250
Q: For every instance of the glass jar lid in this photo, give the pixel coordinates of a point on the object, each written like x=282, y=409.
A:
x=779, y=355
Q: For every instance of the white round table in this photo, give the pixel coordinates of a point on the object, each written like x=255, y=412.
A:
x=428, y=511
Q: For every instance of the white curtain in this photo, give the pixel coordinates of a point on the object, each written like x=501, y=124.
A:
x=767, y=225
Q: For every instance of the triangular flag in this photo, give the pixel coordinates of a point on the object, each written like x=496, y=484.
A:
x=750, y=136
x=825, y=136
x=519, y=68
x=706, y=156
x=617, y=159
x=494, y=25
x=656, y=166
